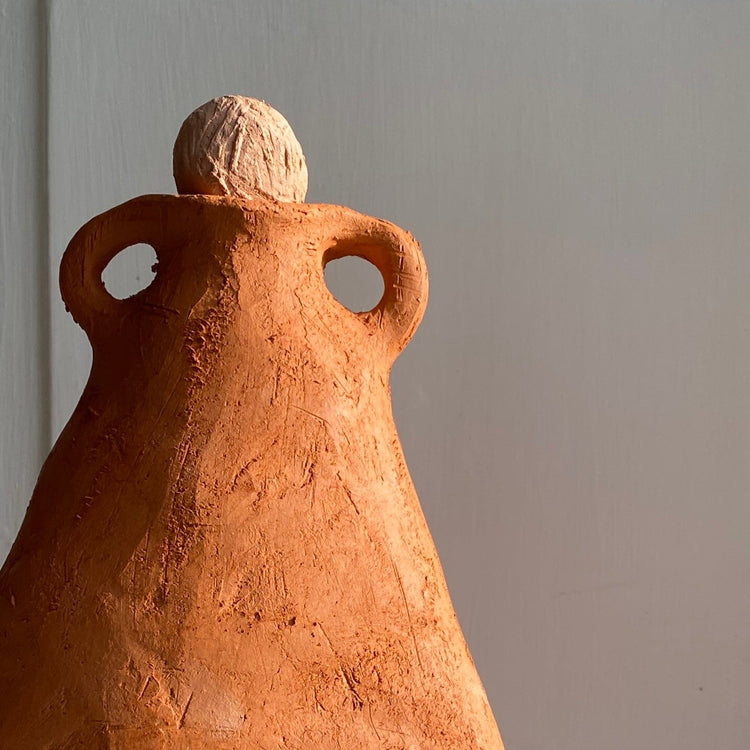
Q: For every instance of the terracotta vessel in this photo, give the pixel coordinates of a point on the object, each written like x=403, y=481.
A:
x=224, y=548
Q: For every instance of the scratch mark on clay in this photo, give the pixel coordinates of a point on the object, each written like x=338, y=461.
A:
x=325, y=635
x=133, y=605
x=148, y=541
x=276, y=382
x=240, y=475
x=351, y=682
x=372, y=723
x=312, y=414
x=161, y=308
x=351, y=499
x=145, y=686
x=184, y=711
x=408, y=612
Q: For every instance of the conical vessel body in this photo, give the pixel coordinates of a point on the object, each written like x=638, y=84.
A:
x=224, y=548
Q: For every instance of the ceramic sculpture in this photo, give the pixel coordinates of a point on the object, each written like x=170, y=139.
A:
x=224, y=548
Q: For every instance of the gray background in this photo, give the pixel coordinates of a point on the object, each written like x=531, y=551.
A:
x=575, y=409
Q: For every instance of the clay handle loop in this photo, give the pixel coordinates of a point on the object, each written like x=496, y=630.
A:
x=398, y=257
x=93, y=247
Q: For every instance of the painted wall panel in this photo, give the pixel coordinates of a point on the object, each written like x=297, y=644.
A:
x=575, y=406
x=24, y=401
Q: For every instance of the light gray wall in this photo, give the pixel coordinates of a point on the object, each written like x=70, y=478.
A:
x=575, y=408
x=24, y=340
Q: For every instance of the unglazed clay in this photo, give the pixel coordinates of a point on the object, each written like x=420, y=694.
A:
x=224, y=548
x=235, y=145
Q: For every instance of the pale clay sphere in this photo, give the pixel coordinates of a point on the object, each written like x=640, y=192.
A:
x=234, y=145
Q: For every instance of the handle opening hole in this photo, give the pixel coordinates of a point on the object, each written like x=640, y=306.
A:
x=355, y=282
x=130, y=271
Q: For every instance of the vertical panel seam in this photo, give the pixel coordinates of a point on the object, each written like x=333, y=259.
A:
x=44, y=285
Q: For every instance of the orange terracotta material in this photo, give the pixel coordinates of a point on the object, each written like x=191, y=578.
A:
x=224, y=548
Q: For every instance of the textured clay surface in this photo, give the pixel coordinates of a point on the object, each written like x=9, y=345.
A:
x=224, y=548
x=235, y=145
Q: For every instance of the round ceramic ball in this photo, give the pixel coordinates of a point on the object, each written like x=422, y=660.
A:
x=235, y=145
